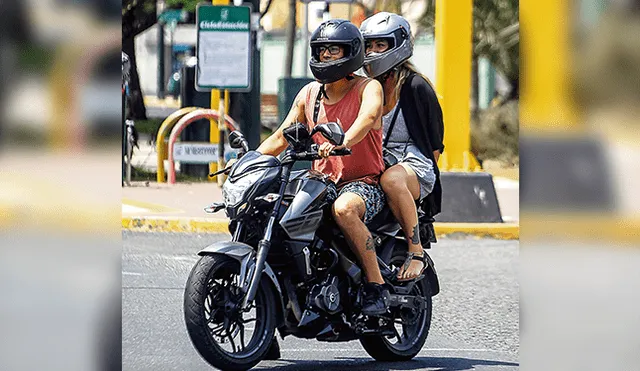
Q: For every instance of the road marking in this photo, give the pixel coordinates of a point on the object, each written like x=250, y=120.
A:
x=132, y=206
x=423, y=350
x=128, y=209
x=131, y=274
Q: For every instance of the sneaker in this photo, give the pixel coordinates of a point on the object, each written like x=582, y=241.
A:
x=376, y=299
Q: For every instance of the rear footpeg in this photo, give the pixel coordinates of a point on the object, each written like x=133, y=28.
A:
x=407, y=301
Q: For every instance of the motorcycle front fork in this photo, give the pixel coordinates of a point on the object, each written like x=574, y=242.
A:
x=265, y=244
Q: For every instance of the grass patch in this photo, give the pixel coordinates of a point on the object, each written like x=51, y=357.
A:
x=149, y=127
x=139, y=174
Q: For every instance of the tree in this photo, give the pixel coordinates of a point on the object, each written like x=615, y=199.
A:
x=495, y=29
x=137, y=16
x=495, y=35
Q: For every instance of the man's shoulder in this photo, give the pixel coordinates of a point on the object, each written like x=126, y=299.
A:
x=364, y=82
x=309, y=87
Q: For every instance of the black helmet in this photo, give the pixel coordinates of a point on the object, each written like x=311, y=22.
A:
x=340, y=32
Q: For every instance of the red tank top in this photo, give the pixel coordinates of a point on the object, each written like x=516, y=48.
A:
x=365, y=162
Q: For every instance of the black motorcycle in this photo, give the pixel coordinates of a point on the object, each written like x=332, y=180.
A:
x=288, y=266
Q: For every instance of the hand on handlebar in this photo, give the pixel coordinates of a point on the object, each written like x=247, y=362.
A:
x=325, y=149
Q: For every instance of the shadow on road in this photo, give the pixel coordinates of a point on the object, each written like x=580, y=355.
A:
x=362, y=364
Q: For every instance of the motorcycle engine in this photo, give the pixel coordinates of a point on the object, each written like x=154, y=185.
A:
x=326, y=296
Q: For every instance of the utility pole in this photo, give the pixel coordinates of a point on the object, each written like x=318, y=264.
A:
x=246, y=106
x=160, y=7
x=252, y=130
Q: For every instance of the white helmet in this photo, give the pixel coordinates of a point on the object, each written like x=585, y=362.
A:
x=396, y=30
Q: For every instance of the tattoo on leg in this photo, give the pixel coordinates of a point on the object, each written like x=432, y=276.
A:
x=415, y=239
x=370, y=245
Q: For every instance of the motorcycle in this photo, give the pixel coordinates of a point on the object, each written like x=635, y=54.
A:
x=288, y=266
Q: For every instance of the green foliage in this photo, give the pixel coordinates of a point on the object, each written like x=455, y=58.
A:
x=188, y=5
x=495, y=32
x=494, y=135
x=150, y=126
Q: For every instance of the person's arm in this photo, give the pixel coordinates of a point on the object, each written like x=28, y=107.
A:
x=368, y=116
x=367, y=119
x=276, y=143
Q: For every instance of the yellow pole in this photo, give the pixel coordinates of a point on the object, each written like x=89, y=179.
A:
x=453, y=81
x=221, y=137
x=546, y=103
x=214, y=134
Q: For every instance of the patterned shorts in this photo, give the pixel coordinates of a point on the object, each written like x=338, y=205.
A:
x=372, y=195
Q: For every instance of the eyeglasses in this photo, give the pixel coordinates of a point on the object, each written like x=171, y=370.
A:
x=333, y=49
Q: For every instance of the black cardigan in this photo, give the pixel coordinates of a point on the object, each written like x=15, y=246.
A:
x=423, y=116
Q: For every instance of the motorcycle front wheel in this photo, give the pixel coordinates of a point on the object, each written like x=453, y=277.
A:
x=226, y=336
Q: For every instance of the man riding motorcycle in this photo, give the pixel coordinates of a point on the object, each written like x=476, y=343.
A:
x=337, y=50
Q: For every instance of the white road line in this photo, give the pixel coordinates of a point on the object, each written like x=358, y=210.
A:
x=131, y=274
x=362, y=350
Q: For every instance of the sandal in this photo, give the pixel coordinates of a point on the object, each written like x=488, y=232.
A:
x=412, y=256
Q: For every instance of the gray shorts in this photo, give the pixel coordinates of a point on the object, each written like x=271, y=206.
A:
x=420, y=164
x=372, y=195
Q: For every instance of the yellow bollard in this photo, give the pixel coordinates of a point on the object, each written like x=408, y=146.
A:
x=161, y=147
x=546, y=103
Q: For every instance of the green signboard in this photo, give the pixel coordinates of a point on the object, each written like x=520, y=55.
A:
x=223, y=48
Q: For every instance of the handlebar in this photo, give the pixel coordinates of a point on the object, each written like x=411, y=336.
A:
x=313, y=153
x=340, y=152
x=304, y=156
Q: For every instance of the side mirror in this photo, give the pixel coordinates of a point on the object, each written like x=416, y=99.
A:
x=297, y=135
x=237, y=140
x=332, y=131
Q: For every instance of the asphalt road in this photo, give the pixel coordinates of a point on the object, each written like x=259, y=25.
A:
x=475, y=317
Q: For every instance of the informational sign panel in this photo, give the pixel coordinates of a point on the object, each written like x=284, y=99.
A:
x=200, y=153
x=223, y=48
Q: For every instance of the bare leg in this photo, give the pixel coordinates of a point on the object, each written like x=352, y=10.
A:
x=400, y=184
x=348, y=211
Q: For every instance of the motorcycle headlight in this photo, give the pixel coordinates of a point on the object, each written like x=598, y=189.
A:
x=233, y=192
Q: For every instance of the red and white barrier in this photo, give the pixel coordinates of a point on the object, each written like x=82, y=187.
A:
x=196, y=115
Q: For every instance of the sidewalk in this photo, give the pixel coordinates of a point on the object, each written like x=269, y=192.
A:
x=153, y=207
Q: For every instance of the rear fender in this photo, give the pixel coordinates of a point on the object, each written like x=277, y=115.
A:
x=243, y=253
x=432, y=275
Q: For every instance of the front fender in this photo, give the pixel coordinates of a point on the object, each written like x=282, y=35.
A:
x=241, y=252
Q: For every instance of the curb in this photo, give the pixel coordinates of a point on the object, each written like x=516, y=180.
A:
x=500, y=231
x=503, y=231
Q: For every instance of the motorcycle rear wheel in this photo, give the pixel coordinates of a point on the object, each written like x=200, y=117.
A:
x=412, y=329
